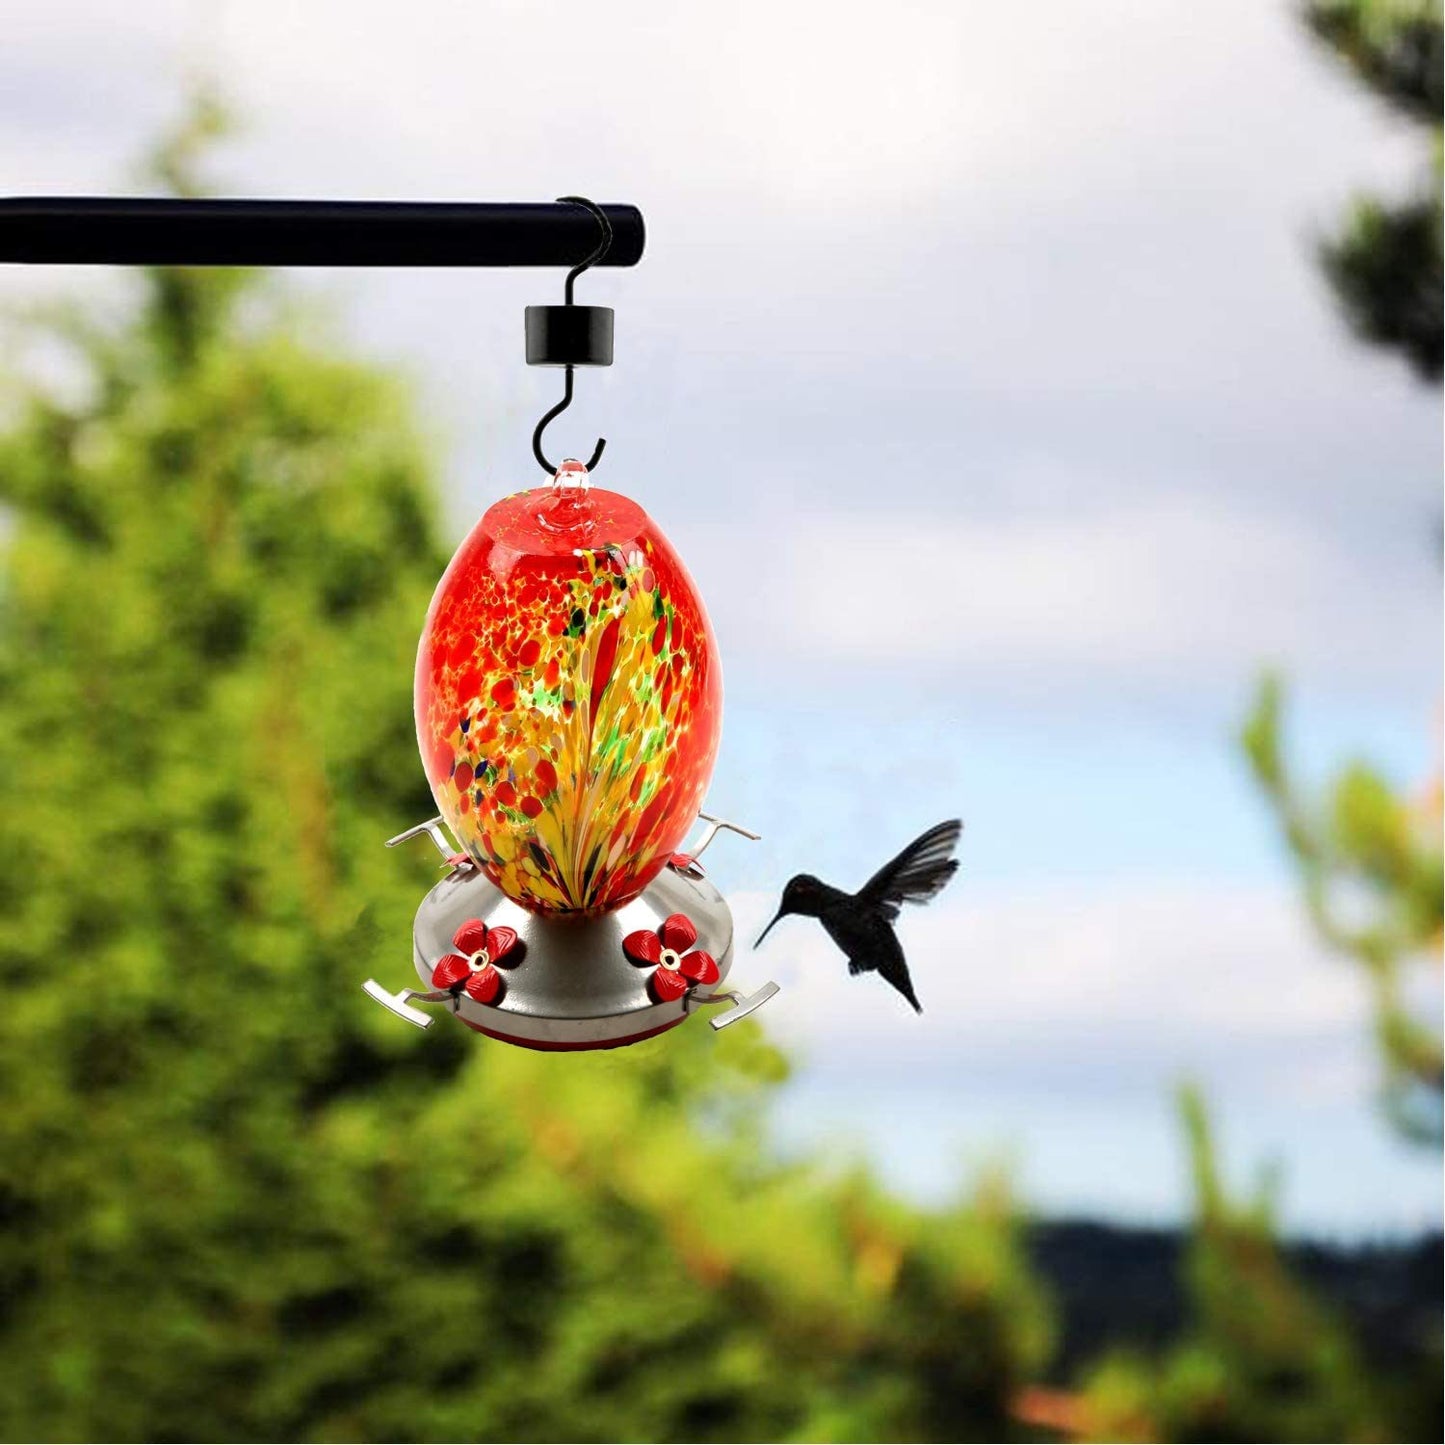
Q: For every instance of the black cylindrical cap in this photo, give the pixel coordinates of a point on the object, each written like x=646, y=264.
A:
x=569, y=336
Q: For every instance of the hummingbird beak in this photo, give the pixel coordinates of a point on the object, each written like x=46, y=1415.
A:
x=768, y=929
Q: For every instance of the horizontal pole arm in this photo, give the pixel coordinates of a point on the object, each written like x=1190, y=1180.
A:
x=85, y=230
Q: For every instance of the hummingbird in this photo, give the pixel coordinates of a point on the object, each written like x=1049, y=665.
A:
x=861, y=923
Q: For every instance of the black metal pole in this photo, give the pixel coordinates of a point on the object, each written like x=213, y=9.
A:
x=92, y=230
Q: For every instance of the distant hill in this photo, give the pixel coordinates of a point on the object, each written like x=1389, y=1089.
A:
x=1120, y=1287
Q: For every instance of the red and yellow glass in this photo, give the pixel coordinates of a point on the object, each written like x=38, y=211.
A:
x=568, y=699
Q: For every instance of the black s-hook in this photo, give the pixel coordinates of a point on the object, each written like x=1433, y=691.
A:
x=542, y=426
x=570, y=335
x=603, y=246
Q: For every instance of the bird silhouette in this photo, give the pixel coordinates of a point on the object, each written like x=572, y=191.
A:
x=861, y=923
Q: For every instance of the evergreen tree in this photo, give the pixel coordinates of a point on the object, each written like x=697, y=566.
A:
x=240, y=1200
x=1385, y=263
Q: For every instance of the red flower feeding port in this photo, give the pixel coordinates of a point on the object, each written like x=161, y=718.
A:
x=678, y=966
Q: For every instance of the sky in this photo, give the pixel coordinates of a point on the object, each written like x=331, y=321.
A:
x=979, y=368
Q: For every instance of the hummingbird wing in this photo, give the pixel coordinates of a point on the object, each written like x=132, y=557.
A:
x=917, y=874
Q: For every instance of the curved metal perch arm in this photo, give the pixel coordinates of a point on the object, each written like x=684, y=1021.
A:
x=400, y=1003
x=745, y=1004
x=715, y=826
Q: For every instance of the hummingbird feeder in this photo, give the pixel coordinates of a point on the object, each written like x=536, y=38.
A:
x=568, y=693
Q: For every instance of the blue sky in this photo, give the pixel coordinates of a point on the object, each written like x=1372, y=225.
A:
x=979, y=368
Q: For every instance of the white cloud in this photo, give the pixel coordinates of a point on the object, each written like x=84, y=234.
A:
x=1058, y=1022
x=1193, y=590
x=798, y=106
x=1098, y=992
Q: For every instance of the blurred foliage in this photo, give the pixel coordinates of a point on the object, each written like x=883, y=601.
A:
x=1261, y=1359
x=1372, y=872
x=1385, y=263
x=242, y=1202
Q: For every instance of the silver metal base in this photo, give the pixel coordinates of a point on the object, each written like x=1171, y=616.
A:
x=571, y=985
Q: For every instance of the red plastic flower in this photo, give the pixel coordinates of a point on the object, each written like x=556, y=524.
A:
x=676, y=969
x=470, y=969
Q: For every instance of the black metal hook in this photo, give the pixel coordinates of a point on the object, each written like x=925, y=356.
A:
x=542, y=426
x=603, y=246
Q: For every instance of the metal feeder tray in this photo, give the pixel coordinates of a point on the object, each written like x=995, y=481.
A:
x=572, y=986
